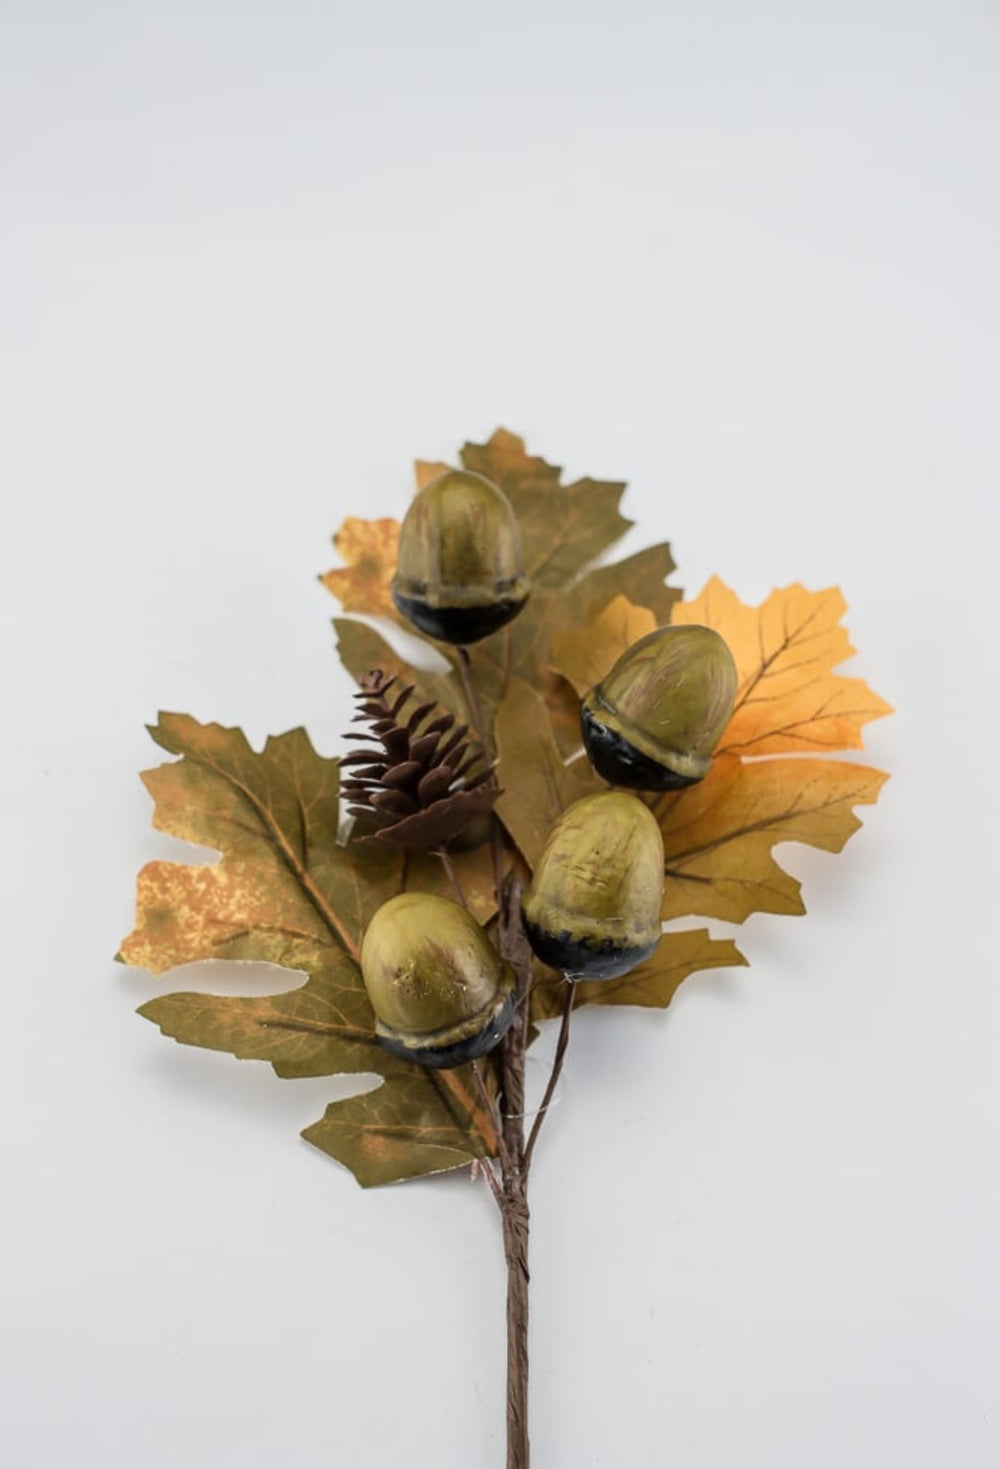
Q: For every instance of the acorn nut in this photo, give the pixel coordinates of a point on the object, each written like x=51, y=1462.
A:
x=593, y=906
x=441, y=993
x=654, y=721
x=459, y=576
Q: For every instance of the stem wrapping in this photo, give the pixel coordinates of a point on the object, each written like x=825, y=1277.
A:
x=515, y=1244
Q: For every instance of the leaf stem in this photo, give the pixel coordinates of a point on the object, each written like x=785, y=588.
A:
x=557, y=1066
x=472, y=699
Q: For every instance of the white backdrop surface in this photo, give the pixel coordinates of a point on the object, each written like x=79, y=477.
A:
x=257, y=258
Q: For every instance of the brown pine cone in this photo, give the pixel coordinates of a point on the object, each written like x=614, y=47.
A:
x=427, y=780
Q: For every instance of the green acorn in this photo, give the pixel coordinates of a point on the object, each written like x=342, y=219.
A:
x=441, y=993
x=459, y=576
x=653, y=723
x=593, y=907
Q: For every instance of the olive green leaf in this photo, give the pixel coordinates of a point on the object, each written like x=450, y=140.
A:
x=537, y=784
x=323, y=1028
x=408, y=1127
x=653, y=984
x=284, y=892
x=563, y=527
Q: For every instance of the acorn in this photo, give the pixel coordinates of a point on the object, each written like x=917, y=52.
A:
x=654, y=721
x=441, y=993
x=593, y=907
x=459, y=576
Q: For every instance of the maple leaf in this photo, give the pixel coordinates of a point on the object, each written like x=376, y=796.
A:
x=370, y=547
x=284, y=892
x=719, y=835
x=789, y=700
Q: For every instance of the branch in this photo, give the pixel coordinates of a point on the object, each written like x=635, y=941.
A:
x=557, y=1065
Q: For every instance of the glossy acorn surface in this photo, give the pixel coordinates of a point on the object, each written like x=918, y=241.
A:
x=459, y=576
x=593, y=907
x=654, y=721
x=441, y=993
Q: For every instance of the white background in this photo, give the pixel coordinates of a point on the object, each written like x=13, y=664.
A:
x=256, y=258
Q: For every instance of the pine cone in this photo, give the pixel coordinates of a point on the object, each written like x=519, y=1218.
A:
x=428, y=780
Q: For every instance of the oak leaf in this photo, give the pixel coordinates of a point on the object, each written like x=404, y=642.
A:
x=653, y=984
x=585, y=654
x=286, y=892
x=537, y=784
x=563, y=527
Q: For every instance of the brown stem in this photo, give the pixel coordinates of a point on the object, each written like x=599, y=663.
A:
x=515, y=1244
x=514, y=1205
x=557, y=1066
x=514, y=1196
x=472, y=699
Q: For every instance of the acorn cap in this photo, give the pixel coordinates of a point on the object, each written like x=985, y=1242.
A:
x=441, y=993
x=459, y=575
x=593, y=906
x=654, y=721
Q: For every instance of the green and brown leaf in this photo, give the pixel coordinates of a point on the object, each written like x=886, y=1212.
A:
x=284, y=892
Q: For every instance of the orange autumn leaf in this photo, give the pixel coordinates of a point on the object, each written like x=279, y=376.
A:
x=719, y=835
x=428, y=470
x=789, y=699
x=370, y=549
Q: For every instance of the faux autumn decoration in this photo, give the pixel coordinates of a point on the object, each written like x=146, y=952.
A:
x=477, y=828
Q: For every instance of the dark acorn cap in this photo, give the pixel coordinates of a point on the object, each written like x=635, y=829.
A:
x=653, y=723
x=593, y=907
x=459, y=576
x=441, y=993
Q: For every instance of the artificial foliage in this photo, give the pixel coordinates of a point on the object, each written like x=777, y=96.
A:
x=451, y=785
